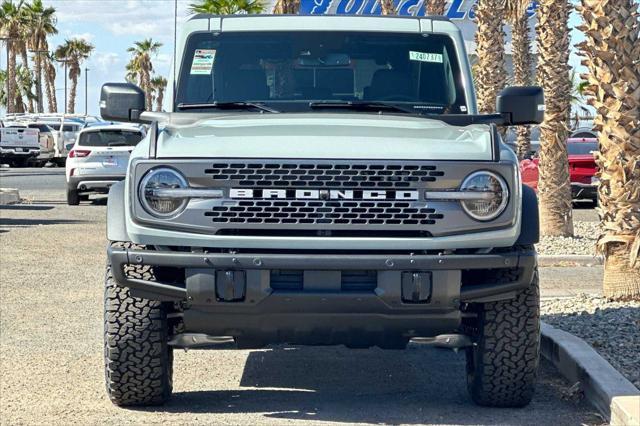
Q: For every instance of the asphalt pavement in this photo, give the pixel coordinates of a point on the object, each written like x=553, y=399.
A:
x=51, y=277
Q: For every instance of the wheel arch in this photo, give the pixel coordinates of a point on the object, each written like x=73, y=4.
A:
x=530, y=225
x=116, y=219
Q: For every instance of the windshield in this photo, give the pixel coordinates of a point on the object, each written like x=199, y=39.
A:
x=66, y=128
x=581, y=148
x=110, y=138
x=42, y=127
x=289, y=69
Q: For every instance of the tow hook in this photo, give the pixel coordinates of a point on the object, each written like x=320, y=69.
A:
x=447, y=341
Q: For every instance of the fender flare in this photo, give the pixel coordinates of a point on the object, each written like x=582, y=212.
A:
x=530, y=223
x=116, y=220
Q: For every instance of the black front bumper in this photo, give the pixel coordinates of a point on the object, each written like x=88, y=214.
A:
x=252, y=307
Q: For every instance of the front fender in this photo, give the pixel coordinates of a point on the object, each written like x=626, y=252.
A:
x=116, y=220
x=530, y=224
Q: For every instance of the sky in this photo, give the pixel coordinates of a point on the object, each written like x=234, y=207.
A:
x=114, y=25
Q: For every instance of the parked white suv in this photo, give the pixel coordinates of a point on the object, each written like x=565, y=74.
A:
x=99, y=159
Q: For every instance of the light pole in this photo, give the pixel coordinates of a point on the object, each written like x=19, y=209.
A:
x=38, y=53
x=86, y=91
x=65, y=61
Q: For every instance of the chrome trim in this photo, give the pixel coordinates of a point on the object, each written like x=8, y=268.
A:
x=88, y=184
x=505, y=196
x=458, y=195
x=185, y=193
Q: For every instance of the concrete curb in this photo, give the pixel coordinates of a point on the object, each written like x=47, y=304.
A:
x=9, y=196
x=613, y=395
x=572, y=259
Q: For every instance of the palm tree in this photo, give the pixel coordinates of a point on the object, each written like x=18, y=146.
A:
x=614, y=82
x=435, y=7
x=42, y=22
x=489, y=71
x=554, y=187
x=516, y=15
x=227, y=7
x=49, y=68
x=141, y=53
x=159, y=85
x=11, y=25
x=24, y=95
x=133, y=73
x=74, y=51
x=286, y=7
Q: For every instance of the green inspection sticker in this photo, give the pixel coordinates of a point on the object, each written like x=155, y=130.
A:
x=426, y=57
x=203, y=61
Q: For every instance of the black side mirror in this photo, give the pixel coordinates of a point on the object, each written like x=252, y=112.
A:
x=122, y=102
x=521, y=105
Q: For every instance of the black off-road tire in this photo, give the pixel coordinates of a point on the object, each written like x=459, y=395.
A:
x=73, y=199
x=502, y=366
x=138, y=359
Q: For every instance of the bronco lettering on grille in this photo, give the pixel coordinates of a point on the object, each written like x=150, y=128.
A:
x=322, y=194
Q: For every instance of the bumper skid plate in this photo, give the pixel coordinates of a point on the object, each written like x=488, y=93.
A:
x=409, y=295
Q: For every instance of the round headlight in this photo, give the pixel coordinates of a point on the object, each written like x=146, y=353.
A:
x=154, y=196
x=488, y=195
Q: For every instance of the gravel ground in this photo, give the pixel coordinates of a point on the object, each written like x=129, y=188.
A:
x=584, y=241
x=612, y=328
x=51, y=368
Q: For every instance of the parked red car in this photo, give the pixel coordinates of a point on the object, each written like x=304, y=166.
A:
x=582, y=166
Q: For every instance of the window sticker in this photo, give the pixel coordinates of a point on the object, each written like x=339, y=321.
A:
x=426, y=57
x=203, y=61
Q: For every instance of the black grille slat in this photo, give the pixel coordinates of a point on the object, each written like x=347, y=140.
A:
x=353, y=281
x=324, y=175
x=324, y=213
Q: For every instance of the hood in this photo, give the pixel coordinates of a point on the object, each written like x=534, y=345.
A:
x=322, y=135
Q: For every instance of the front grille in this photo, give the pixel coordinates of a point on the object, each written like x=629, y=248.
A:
x=314, y=175
x=324, y=213
x=355, y=281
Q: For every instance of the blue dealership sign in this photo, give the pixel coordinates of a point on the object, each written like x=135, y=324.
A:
x=458, y=9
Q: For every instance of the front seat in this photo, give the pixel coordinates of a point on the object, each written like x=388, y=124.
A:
x=388, y=85
x=245, y=85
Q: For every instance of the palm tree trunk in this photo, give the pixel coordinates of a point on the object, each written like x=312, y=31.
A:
x=11, y=77
x=387, y=6
x=71, y=108
x=614, y=85
x=159, y=99
x=554, y=188
x=287, y=7
x=148, y=92
x=489, y=69
x=521, y=50
x=435, y=7
x=50, y=82
x=38, y=60
x=25, y=64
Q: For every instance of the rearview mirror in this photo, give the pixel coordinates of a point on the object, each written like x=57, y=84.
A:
x=521, y=105
x=122, y=102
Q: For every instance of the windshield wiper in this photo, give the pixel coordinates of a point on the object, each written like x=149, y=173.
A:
x=228, y=105
x=361, y=106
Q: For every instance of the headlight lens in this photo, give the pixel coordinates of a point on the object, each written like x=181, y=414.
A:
x=492, y=198
x=153, y=201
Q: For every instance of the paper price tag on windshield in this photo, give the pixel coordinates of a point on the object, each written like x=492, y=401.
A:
x=203, y=61
x=426, y=57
